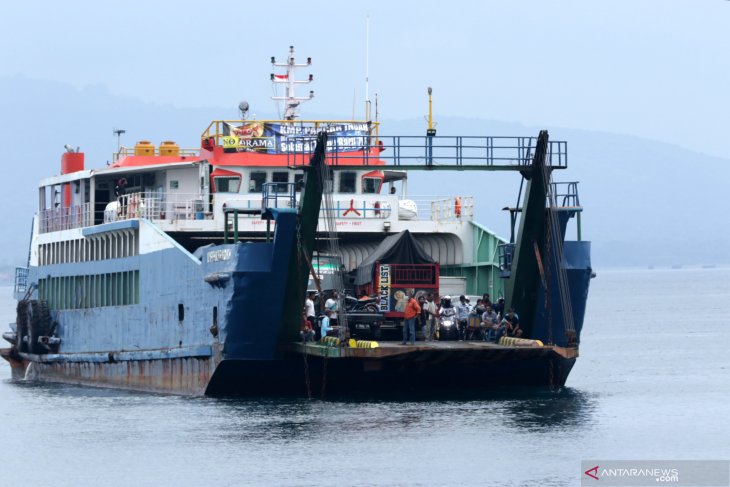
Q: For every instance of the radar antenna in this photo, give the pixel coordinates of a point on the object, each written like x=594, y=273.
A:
x=243, y=109
x=118, y=133
x=291, y=101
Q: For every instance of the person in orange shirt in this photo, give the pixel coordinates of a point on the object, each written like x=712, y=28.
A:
x=411, y=314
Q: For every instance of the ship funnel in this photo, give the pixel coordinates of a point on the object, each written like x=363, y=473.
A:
x=71, y=161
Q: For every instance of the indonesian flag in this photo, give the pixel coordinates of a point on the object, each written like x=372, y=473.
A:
x=281, y=77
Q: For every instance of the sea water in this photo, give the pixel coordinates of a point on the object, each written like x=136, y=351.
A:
x=652, y=382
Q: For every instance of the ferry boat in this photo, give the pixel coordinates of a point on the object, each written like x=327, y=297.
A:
x=184, y=270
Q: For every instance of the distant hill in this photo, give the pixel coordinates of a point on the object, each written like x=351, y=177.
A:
x=646, y=202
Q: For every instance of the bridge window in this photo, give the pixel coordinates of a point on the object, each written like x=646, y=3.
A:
x=372, y=182
x=282, y=178
x=347, y=182
x=227, y=184
x=224, y=181
x=258, y=178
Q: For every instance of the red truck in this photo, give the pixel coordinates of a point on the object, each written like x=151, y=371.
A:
x=396, y=267
x=392, y=283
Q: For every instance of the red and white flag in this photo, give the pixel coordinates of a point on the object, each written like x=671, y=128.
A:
x=281, y=77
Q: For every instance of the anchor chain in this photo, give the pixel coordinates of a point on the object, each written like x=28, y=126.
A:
x=306, y=373
x=551, y=379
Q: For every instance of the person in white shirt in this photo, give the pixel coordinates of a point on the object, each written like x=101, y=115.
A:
x=309, y=311
x=430, y=308
x=331, y=304
x=309, y=305
x=462, y=315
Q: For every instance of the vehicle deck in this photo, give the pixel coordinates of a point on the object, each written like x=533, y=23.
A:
x=394, y=348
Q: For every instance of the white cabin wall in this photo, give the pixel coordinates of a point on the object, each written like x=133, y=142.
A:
x=187, y=179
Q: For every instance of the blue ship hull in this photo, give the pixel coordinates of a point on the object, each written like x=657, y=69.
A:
x=192, y=314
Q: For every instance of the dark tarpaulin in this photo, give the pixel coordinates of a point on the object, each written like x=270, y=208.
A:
x=401, y=248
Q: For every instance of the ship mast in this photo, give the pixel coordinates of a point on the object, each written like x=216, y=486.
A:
x=291, y=101
x=367, y=68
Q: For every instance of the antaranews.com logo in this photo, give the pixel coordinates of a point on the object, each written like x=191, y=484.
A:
x=699, y=473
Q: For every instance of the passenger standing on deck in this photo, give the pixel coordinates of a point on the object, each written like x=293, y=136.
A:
x=331, y=304
x=326, y=323
x=430, y=309
x=462, y=316
x=422, y=316
x=309, y=310
x=410, y=315
x=119, y=191
x=121, y=187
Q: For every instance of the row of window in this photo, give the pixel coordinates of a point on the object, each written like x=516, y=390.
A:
x=79, y=292
x=232, y=184
x=347, y=182
x=110, y=245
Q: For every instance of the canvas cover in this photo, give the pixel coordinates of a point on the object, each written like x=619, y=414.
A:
x=401, y=248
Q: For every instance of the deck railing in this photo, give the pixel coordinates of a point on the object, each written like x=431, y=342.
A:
x=155, y=205
x=441, y=152
x=131, y=151
x=442, y=209
x=565, y=194
x=171, y=207
x=21, y=280
x=368, y=147
x=65, y=218
x=506, y=253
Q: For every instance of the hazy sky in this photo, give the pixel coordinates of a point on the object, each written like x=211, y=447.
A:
x=654, y=68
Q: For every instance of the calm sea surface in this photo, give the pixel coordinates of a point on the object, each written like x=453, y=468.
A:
x=653, y=382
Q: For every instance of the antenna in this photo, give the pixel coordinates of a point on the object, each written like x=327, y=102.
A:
x=291, y=102
x=354, y=102
x=367, y=67
x=119, y=133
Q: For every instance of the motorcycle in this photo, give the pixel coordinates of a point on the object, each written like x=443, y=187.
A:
x=363, y=305
x=447, y=327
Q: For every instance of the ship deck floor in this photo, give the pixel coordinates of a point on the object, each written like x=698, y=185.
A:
x=392, y=349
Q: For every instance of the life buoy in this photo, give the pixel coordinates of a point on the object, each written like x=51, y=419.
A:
x=457, y=207
x=376, y=205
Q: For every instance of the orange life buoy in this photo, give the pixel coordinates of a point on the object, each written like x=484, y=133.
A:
x=457, y=207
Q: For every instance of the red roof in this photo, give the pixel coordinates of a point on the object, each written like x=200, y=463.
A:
x=218, y=157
